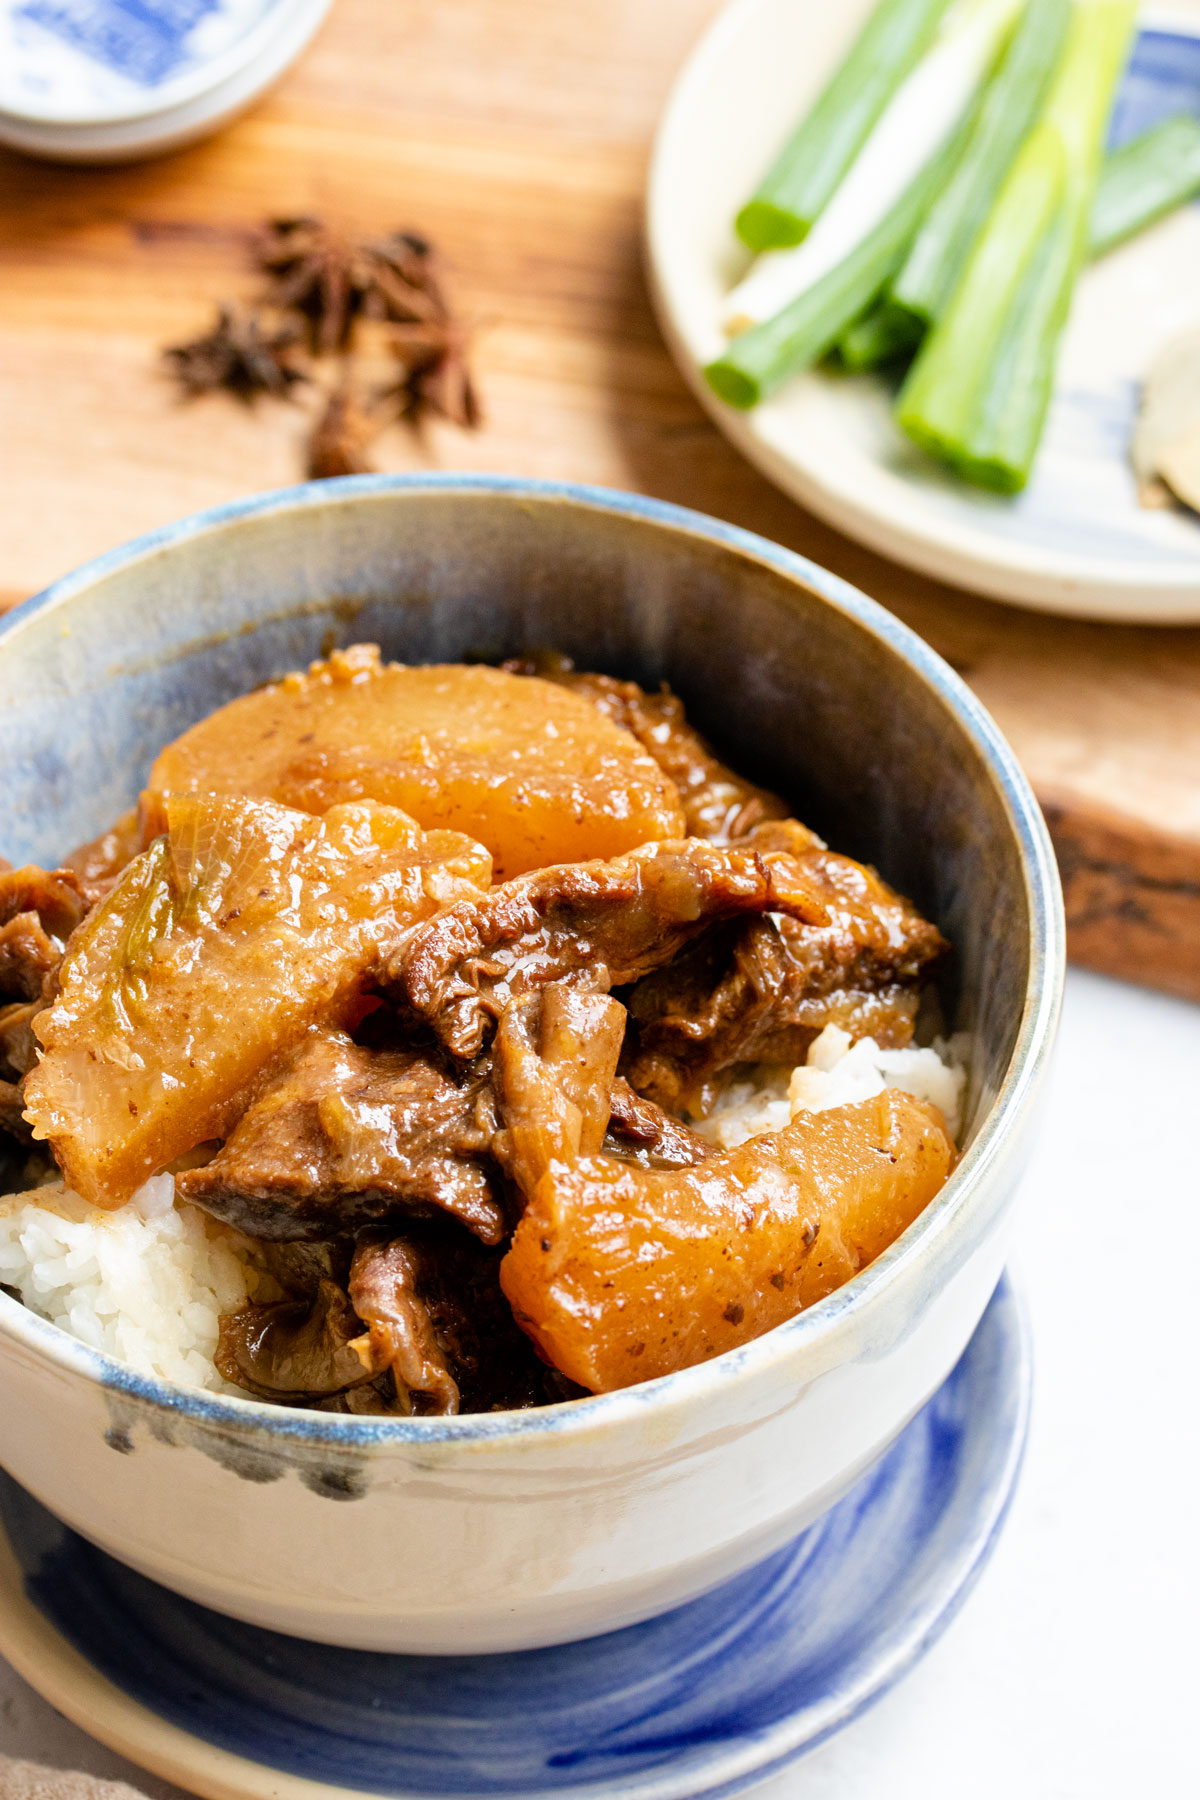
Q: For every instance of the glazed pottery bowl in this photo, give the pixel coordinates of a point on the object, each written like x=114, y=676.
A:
x=509, y=1530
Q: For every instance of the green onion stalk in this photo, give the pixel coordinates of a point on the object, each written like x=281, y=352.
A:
x=1143, y=180
x=761, y=359
x=1011, y=103
x=813, y=161
x=977, y=395
x=1139, y=184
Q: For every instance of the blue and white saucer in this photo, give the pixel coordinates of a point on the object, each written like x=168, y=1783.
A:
x=102, y=80
x=704, y=1701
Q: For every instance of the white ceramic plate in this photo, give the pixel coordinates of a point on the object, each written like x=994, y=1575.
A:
x=1076, y=541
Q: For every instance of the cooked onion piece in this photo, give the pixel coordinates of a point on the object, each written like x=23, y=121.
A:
x=296, y=1349
x=553, y=1068
x=531, y=771
x=240, y=926
x=620, y=1274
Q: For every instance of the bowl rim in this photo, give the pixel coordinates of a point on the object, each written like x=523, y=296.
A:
x=829, y=1325
x=196, y=82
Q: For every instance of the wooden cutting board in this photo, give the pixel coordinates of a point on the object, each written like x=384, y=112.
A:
x=517, y=137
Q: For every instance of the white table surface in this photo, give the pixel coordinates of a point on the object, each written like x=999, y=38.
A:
x=1071, y=1672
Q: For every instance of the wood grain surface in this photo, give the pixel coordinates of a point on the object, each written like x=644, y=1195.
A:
x=517, y=136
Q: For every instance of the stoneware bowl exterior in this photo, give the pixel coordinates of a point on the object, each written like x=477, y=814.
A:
x=505, y=1531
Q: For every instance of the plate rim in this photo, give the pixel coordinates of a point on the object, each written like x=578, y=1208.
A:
x=1123, y=590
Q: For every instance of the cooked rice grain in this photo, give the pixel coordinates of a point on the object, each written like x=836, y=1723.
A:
x=147, y=1283
x=838, y=1072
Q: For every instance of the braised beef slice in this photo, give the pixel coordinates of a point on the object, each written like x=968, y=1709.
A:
x=57, y=896
x=596, y=924
x=12, y=1106
x=641, y=1131
x=554, y=1060
x=294, y=1350
x=718, y=804
x=18, y=1053
x=341, y=1137
x=27, y=956
x=871, y=936
x=300, y=1266
x=18, y=1046
x=39, y=909
x=493, y=1363
x=401, y=1338
x=760, y=990
x=431, y=1305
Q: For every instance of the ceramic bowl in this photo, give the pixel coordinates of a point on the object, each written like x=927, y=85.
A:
x=521, y=1529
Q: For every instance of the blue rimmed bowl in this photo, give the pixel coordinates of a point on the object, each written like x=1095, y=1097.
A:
x=510, y=1530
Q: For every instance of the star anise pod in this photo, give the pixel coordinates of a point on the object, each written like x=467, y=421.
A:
x=340, y=437
x=334, y=281
x=405, y=286
x=239, y=355
x=436, y=374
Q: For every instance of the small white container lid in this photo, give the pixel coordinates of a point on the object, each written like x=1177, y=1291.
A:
x=100, y=80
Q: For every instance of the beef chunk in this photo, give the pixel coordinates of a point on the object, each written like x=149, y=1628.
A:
x=401, y=1338
x=760, y=990
x=295, y=1350
x=643, y=1132
x=597, y=924
x=341, y=1137
x=39, y=909
x=717, y=804
x=404, y=1322
x=554, y=1061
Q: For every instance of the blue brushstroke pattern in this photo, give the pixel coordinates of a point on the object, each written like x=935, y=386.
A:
x=756, y=1671
x=144, y=40
x=1163, y=78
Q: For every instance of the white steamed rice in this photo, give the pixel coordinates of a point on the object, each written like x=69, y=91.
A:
x=149, y=1282
x=837, y=1072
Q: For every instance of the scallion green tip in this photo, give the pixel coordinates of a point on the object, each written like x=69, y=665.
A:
x=733, y=385
x=763, y=226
